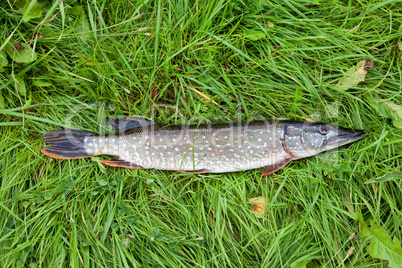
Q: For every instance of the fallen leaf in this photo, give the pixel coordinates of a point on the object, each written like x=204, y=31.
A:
x=353, y=76
x=370, y=64
x=392, y=176
x=253, y=34
x=395, y=112
x=258, y=205
x=16, y=47
x=21, y=52
x=381, y=245
x=389, y=109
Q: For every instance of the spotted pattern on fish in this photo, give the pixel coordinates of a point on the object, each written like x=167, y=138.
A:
x=225, y=149
x=214, y=149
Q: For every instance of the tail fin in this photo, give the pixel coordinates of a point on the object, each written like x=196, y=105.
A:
x=66, y=144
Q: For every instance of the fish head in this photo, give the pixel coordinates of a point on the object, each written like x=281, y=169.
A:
x=303, y=140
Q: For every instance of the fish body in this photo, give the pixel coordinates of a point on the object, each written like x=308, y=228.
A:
x=204, y=148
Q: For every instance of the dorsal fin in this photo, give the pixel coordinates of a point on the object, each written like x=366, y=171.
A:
x=128, y=124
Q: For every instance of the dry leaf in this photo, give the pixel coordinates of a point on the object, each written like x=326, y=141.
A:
x=351, y=236
x=370, y=64
x=353, y=76
x=350, y=251
x=258, y=205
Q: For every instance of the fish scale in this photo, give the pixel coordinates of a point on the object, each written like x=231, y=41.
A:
x=204, y=148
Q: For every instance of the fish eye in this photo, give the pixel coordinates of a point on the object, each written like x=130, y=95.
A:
x=323, y=129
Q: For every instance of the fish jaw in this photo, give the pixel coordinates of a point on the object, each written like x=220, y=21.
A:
x=344, y=136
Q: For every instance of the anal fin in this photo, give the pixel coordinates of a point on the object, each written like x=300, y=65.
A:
x=277, y=166
x=117, y=162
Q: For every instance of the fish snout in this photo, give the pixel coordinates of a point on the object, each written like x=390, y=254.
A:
x=345, y=136
x=345, y=133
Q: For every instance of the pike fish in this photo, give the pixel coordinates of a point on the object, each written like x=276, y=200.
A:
x=144, y=144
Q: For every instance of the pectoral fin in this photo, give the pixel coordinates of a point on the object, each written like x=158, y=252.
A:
x=117, y=162
x=277, y=166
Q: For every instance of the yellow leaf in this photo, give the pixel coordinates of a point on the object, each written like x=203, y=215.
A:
x=259, y=204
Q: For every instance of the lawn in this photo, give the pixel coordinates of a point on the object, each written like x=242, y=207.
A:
x=73, y=63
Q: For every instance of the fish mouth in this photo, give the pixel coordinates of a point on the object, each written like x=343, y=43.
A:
x=346, y=136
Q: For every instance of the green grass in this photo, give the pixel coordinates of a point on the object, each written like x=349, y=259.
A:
x=79, y=213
